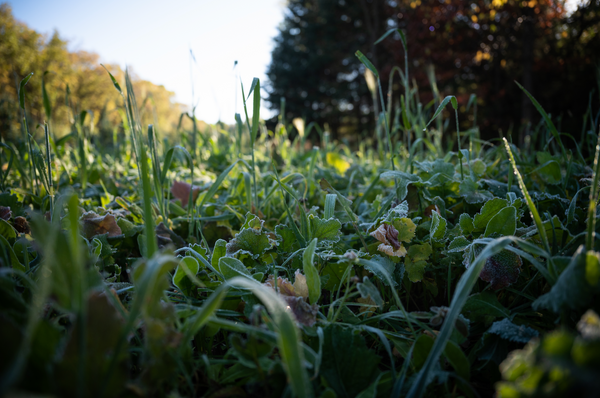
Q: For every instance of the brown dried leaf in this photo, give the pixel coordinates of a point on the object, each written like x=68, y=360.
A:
x=181, y=191
x=5, y=213
x=369, y=310
x=21, y=225
x=388, y=236
x=502, y=269
x=389, y=250
x=300, y=286
x=284, y=287
x=92, y=224
x=305, y=313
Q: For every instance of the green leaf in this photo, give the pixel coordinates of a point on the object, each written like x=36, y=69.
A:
x=503, y=223
x=288, y=243
x=421, y=350
x=484, y=304
x=382, y=267
x=219, y=251
x=22, y=90
x=149, y=222
x=339, y=366
x=550, y=172
x=466, y=224
x=438, y=227
x=7, y=250
x=365, y=61
x=128, y=228
x=324, y=230
x=332, y=274
x=572, y=289
x=403, y=181
x=415, y=269
x=7, y=230
x=442, y=106
x=478, y=167
x=368, y=289
x=489, y=210
x=469, y=190
x=458, y=360
x=168, y=160
x=592, y=268
x=458, y=244
x=252, y=86
x=406, y=229
x=232, y=267
x=389, y=32
x=114, y=81
x=310, y=271
x=252, y=221
x=180, y=278
x=415, y=261
x=251, y=240
x=511, y=332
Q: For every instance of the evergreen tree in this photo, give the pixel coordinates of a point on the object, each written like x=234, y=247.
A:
x=313, y=64
x=478, y=47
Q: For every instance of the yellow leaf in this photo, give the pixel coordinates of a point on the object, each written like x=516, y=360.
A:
x=338, y=162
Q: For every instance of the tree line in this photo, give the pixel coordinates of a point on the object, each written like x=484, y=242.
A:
x=74, y=81
x=454, y=48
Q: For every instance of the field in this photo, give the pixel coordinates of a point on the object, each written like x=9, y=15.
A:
x=245, y=262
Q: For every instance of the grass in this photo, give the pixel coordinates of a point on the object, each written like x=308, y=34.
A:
x=428, y=262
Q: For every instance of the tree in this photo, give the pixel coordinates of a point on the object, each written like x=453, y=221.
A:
x=479, y=47
x=313, y=64
x=23, y=50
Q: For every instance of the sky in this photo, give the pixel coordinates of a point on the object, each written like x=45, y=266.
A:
x=154, y=38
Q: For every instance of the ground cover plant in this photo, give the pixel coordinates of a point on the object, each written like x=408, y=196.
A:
x=246, y=262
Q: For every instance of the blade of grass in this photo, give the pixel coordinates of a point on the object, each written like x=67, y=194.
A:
x=330, y=200
x=49, y=164
x=532, y=209
x=151, y=242
x=547, y=119
x=591, y=221
x=462, y=292
x=288, y=335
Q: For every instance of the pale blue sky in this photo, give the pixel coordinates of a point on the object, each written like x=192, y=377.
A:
x=154, y=38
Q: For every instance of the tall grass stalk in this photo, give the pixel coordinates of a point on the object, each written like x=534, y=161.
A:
x=591, y=221
x=254, y=128
x=405, y=79
x=365, y=61
x=49, y=165
x=454, y=102
x=462, y=292
x=142, y=160
x=27, y=135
